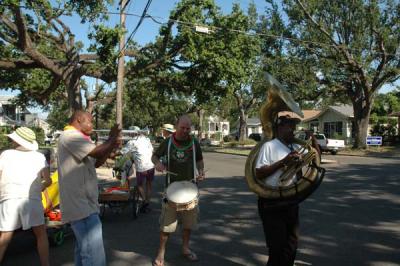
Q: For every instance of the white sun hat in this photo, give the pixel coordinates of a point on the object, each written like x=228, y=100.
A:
x=25, y=137
x=168, y=127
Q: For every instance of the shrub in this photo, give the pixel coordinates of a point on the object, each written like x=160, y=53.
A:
x=233, y=144
x=229, y=138
x=39, y=134
x=5, y=143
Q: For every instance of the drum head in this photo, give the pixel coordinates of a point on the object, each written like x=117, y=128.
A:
x=182, y=192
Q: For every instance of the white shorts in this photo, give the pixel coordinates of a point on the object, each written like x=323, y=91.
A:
x=15, y=213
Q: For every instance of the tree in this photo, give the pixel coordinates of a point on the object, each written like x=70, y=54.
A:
x=279, y=59
x=155, y=106
x=242, y=68
x=355, y=46
x=39, y=49
x=205, y=67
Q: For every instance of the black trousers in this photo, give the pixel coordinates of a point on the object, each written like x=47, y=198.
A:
x=281, y=231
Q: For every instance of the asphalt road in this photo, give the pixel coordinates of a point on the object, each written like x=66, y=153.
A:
x=352, y=219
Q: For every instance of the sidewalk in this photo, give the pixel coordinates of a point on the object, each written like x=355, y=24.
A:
x=381, y=152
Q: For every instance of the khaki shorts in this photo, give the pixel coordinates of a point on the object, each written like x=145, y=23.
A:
x=169, y=218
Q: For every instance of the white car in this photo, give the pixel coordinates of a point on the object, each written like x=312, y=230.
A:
x=209, y=142
x=325, y=144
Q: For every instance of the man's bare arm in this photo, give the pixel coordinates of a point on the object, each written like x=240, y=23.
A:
x=103, y=151
x=267, y=170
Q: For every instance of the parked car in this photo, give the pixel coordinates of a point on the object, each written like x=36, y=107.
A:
x=325, y=144
x=329, y=145
x=255, y=136
x=209, y=142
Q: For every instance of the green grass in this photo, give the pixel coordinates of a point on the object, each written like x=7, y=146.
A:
x=370, y=151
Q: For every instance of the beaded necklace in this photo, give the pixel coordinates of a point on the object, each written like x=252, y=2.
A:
x=178, y=147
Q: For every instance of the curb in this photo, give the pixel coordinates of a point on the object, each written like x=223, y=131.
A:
x=370, y=156
x=339, y=154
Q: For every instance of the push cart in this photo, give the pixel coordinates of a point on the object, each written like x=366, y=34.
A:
x=57, y=231
x=117, y=199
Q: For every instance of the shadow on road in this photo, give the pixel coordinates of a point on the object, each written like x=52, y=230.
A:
x=227, y=234
x=353, y=218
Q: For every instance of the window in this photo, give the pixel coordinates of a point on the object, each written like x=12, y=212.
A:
x=314, y=126
x=330, y=128
x=212, y=126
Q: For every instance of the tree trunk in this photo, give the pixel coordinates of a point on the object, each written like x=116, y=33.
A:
x=362, y=111
x=74, y=92
x=242, y=124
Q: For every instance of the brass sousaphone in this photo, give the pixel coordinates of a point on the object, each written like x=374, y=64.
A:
x=311, y=173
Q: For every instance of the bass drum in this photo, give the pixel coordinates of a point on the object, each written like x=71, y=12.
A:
x=182, y=195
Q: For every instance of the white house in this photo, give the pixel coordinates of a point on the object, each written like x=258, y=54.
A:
x=254, y=123
x=333, y=121
x=253, y=126
x=33, y=120
x=216, y=126
x=10, y=113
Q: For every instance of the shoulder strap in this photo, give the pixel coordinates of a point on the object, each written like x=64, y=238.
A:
x=194, y=161
x=168, y=164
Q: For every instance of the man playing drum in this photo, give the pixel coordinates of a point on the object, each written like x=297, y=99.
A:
x=184, y=162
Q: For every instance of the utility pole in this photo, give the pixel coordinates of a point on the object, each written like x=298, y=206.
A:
x=121, y=63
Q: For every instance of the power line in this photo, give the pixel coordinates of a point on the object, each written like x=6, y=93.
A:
x=142, y=17
x=213, y=28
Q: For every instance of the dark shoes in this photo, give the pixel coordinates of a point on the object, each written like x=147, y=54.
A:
x=145, y=208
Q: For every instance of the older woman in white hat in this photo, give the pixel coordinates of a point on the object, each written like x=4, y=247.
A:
x=24, y=174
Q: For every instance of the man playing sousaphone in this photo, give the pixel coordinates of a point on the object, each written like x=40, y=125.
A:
x=281, y=223
x=182, y=161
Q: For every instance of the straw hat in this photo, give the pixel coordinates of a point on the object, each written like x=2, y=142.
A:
x=168, y=127
x=136, y=129
x=25, y=137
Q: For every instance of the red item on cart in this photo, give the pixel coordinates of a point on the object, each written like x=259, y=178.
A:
x=111, y=189
x=54, y=215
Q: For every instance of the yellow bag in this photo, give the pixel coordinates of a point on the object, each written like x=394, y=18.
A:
x=51, y=195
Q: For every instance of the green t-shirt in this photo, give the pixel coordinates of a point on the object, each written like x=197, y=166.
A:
x=180, y=157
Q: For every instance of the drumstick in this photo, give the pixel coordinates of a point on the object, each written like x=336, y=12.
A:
x=171, y=173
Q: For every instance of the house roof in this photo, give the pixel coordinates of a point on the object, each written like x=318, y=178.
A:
x=307, y=114
x=255, y=121
x=345, y=110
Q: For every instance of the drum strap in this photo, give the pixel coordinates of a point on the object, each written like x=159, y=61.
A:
x=168, y=161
